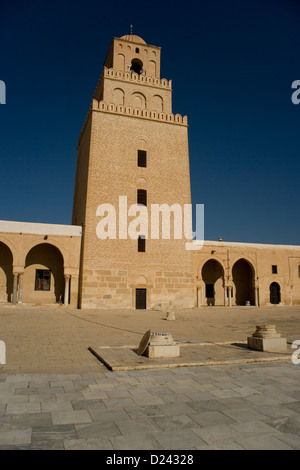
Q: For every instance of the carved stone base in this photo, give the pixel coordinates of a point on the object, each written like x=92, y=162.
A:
x=166, y=350
x=267, y=344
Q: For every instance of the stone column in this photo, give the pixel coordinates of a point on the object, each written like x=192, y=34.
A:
x=229, y=296
x=199, y=296
x=225, y=296
x=66, y=296
x=200, y=288
x=256, y=292
x=256, y=296
x=20, y=288
x=15, y=288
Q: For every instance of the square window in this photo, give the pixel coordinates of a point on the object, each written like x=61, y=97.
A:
x=42, y=279
x=142, y=158
x=274, y=269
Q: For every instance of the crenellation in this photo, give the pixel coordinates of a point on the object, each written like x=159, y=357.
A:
x=134, y=77
x=137, y=112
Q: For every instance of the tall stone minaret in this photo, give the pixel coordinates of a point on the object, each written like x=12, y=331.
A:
x=132, y=149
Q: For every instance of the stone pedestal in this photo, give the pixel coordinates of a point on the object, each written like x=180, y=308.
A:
x=267, y=339
x=170, y=316
x=158, y=345
x=166, y=350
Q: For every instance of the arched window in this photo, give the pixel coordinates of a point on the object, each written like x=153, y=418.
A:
x=121, y=62
x=157, y=103
x=152, y=68
x=138, y=100
x=118, y=96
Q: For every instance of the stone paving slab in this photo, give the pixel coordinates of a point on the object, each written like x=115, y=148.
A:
x=233, y=406
x=56, y=394
x=126, y=358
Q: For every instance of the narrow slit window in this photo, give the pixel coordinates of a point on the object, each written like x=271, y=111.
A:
x=142, y=197
x=141, y=244
x=142, y=158
x=274, y=269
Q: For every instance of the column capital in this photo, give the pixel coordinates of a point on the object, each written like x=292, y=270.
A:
x=18, y=270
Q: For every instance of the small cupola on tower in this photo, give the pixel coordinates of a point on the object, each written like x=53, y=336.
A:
x=131, y=77
x=130, y=53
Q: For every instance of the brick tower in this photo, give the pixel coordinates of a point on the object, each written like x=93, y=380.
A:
x=132, y=150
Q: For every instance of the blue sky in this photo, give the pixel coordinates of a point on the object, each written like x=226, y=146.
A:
x=232, y=64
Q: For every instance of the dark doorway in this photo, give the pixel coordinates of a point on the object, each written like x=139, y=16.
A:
x=243, y=276
x=141, y=298
x=209, y=291
x=212, y=275
x=275, y=296
x=6, y=273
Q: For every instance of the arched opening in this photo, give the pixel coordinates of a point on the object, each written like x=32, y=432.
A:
x=243, y=279
x=157, y=103
x=136, y=66
x=121, y=62
x=275, y=294
x=43, y=275
x=138, y=100
x=152, y=68
x=118, y=97
x=6, y=273
x=212, y=275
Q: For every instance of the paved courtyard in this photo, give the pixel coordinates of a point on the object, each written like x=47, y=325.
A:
x=55, y=394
